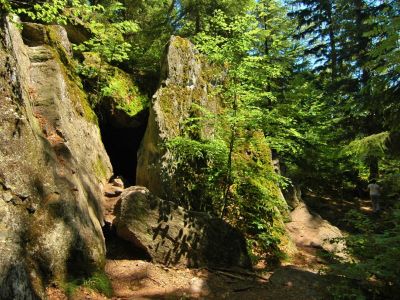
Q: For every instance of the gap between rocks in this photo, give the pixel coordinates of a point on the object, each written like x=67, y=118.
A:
x=121, y=136
x=122, y=144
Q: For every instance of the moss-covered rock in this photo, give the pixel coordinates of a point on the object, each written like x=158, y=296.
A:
x=185, y=110
x=185, y=87
x=118, y=95
x=52, y=165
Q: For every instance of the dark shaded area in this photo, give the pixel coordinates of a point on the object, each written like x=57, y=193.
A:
x=122, y=137
x=33, y=35
x=118, y=248
x=148, y=82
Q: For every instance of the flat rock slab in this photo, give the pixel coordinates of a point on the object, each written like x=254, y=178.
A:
x=173, y=236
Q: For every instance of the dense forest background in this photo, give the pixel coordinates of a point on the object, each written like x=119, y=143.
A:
x=318, y=78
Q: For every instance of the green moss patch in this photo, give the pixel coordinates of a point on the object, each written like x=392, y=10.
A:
x=99, y=169
x=98, y=282
x=125, y=94
x=115, y=85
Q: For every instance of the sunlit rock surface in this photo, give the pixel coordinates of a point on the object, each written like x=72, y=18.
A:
x=186, y=84
x=52, y=165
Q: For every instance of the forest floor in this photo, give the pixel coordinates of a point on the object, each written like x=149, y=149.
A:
x=138, y=279
x=302, y=277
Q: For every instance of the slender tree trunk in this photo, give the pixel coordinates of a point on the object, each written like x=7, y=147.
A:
x=228, y=180
x=332, y=41
x=362, y=40
x=373, y=164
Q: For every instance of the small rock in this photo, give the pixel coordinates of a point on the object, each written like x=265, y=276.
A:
x=23, y=196
x=289, y=284
x=114, y=192
x=118, y=182
x=32, y=208
x=198, y=286
x=7, y=196
x=16, y=201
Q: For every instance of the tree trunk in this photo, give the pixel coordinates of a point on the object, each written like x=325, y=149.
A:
x=373, y=164
x=332, y=41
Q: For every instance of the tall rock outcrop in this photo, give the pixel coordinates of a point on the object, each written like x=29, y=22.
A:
x=186, y=107
x=185, y=83
x=52, y=165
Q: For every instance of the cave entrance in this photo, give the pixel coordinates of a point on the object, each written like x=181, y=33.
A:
x=121, y=137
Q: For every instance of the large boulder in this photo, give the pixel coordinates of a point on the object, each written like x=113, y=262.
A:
x=172, y=235
x=52, y=165
x=186, y=83
x=308, y=229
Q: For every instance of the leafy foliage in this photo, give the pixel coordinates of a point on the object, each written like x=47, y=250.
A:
x=375, y=251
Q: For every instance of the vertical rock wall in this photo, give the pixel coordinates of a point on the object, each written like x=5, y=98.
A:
x=52, y=165
x=185, y=83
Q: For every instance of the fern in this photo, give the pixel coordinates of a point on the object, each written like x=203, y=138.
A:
x=370, y=146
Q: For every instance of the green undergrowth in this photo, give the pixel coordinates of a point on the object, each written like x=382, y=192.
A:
x=254, y=203
x=374, y=250
x=98, y=282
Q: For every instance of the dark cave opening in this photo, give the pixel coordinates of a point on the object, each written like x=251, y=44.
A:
x=122, y=138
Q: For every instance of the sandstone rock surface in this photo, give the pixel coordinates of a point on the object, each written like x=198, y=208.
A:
x=310, y=230
x=172, y=235
x=185, y=84
x=52, y=165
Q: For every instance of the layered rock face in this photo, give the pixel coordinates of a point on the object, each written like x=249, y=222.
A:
x=185, y=83
x=52, y=165
x=172, y=235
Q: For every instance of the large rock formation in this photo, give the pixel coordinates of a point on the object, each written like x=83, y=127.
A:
x=52, y=165
x=174, y=236
x=185, y=83
x=185, y=108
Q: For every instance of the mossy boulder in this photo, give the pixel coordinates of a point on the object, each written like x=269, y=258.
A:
x=186, y=107
x=186, y=85
x=118, y=96
x=52, y=165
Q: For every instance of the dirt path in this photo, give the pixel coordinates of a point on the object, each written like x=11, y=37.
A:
x=143, y=280
x=135, y=278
